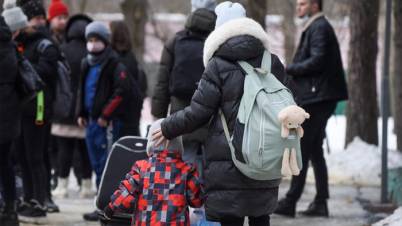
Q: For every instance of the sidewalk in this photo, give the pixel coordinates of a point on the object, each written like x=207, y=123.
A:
x=344, y=209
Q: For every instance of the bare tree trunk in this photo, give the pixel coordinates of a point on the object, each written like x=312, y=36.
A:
x=135, y=15
x=83, y=6
x=362, y=107
x=288, y=27
x=258, y=11
x=398, y=71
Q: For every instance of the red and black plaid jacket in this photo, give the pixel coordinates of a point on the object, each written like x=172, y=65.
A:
x=161, y=188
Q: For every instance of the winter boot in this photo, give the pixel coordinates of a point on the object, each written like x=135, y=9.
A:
x=36, y=214
x=86, y=189
x=286, y=207
x=61, y=190
x=316, y=209
x=22, y=205
x=51, y=206
x=9, y=216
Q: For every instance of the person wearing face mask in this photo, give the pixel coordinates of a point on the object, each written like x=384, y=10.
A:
x=317, y=71
x=107, y=98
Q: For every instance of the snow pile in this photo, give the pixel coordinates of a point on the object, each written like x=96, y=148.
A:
x=393, y=220
x=360, y=164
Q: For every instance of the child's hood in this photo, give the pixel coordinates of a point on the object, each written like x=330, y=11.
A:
x=175, y=144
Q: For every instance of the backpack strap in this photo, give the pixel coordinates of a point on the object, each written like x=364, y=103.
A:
x=225, y=125
x=43, y=45
x=265, y=65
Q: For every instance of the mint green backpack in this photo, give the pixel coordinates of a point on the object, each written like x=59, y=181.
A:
x=256, y=145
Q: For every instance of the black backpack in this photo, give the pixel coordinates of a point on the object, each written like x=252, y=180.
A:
x=188, y=65
x=63, y=99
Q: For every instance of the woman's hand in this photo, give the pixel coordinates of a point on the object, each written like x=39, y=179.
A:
x=102, y=122
x=158, y=134
x=106, y=216
x=82, y=122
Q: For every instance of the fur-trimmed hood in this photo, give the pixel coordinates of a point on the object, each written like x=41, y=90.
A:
x=231, y=29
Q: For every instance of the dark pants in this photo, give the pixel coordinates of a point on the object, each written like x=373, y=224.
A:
x=193, y=152
x=30, y=148
x=67, y=147
x=7, y=175
x=311, y=149
x=262, y=220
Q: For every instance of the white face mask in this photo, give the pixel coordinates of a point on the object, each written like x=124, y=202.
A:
x=94, y=47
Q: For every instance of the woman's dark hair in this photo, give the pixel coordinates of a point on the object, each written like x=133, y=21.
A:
x=120, y=36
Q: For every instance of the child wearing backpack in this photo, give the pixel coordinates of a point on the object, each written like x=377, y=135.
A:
x=161, y=187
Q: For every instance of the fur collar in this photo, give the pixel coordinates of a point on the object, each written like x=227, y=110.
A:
x=231, y=29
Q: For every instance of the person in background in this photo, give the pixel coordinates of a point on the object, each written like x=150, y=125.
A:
x=107, y=97
x=317, y=71
x=10, y=111
x=69, y=136
x=182, y=58
x=157, y=177
x=58, y=17
x=36, y=14
x=120, y=41
x=31, y=145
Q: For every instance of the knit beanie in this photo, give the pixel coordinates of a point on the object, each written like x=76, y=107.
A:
x=228, y=11
x=99, y=30
x=203, y=4
x=57, y=8
x=13, y=16
x=32, y=8
x=176, y=143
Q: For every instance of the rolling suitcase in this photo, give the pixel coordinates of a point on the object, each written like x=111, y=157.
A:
x=122, y=156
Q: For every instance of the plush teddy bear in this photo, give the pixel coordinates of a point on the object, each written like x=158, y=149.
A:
x=291, y=118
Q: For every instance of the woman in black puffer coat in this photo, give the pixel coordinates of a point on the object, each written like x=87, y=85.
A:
x=230, y=195
x=31, y=145
x=10, y=119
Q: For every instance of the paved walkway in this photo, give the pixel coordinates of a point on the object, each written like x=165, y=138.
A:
x=345, y=210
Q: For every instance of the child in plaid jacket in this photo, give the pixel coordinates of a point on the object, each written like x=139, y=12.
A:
x=161, y=187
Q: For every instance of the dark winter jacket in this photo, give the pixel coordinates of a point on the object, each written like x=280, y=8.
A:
x=10, y=106
x=75, y=49
x=229, y=193
x=200, y=23
x=131, y=64
x=114, y=95
x=45, y=64
x=317, y=66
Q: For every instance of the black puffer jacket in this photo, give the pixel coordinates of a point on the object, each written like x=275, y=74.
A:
x=317, y=67
x=75, y=49
x=45, y=64
x=10, y=109
x=228, y=192
x=200, y=23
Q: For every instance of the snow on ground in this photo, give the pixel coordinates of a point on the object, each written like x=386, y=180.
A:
x=359, y=164
x=393, y=220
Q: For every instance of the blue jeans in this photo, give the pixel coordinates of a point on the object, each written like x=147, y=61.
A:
x=99, y=141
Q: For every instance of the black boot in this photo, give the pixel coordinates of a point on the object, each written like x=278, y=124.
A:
x=22, y=205
x=316, y=209
x=91, y=216
x=9, y=216
x=51, y=206
x=286, y=207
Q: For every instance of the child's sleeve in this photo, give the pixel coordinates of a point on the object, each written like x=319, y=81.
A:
x=194, y=190
x=127, y=194
x=121, y=93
